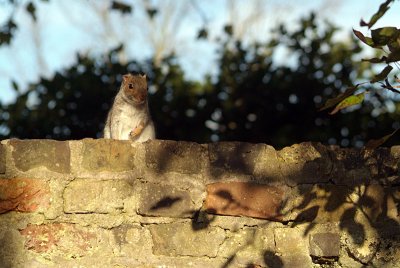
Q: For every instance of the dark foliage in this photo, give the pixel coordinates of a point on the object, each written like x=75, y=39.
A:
x=251, y=99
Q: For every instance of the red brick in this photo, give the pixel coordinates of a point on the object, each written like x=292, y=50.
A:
x=23, y=195
x=244, y=199
x=58, y=237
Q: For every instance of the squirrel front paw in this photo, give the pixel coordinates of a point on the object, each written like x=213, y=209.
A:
x=135, y=133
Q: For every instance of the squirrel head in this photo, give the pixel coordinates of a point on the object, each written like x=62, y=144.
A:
x=134, y=87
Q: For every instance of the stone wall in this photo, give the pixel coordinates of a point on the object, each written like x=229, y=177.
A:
x=103, y=203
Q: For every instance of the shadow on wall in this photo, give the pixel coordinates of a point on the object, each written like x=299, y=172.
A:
x=303, y=185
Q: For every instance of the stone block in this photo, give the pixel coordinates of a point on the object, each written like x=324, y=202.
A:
x=360, y=166
x=352, y=166
x=379, y=204
x=236, y=157
x=97, y=196
x=296, y=260
x=318, y=203
x=248, y=239
x=331, y=203
x=172, y=156
x=248, y=245
x=126, y=239
x=24, y=195
x=61, y=239
x=108, y=155
x=290, y=240
x=2, y=159
x=30, y=154
x=181, y=239
x=168, y=201
x=325, y=245
x=259, y=161
x=271, y=259
x=305, y=163
x=291, y=244
x=245, y=199
x=267, y=166
x=387, y=165
x=12, y=250
x=388, y=253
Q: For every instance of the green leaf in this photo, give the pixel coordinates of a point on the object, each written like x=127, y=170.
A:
x=151, y=12
x=228, y=29
x=393, y=56
x=382, y=75
x=30, y=7
x=349, y=101
x=15, y=86
x=394, y=45
x=332, y=102
x=382, y=36
x=382, y=10
x=366, y=40
x=202, y=34
x=373, y=144
x=123, y=8
x=7, y=32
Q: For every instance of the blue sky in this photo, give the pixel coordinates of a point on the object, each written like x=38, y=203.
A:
x=67, y=27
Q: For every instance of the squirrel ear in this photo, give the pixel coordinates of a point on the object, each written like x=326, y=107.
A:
x=125, y=77
x=144, y=76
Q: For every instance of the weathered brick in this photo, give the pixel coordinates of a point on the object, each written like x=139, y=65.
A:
x=388, y=254
x=236, y=157
x=296, y=260
x=305, y=163
x=248, y=245
x=139, y=261
x=317, y=203
x=352, y=166
x=271, y=259
x=330, y=203
x=2, y=159
x=379, y=204
x=358, y=166
x=30, y=154
x=173, y=156
x=181, y=239
x=108, y=155
x=126, y=239
x=369, y=242
x=259, y=161
x=12, y=251
x=249, y=241
x=98, y=196
x=291, y=240
x=24, y=195
x=245, y=199
x=325, y=245
x=292, y=247
x=168, y=201
x=60, y=238
x=387, y=165
x=360, y=240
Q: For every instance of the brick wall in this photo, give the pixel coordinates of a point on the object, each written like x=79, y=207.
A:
x=103, y=203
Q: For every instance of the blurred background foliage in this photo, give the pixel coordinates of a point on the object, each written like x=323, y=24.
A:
x=251, y=98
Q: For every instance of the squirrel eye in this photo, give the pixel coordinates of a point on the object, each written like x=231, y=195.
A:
x=130, y=86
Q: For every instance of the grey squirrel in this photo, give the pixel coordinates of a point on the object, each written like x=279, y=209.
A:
x=129, y=117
